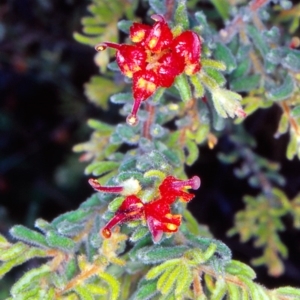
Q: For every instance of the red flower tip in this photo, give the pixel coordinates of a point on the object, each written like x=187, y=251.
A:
x=192, y=183
x=106, y=189
x=132, y=120
x=240, y=113
x=171, y=188
x=158, y=18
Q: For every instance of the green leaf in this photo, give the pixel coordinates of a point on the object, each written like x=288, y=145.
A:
x=146, y=290
x=199, y=89
x=157, y=270
x=288, y=292
x=29, y=236
x=84, y=293
x=235, y=268
x=216, y=75
x=223, y=7
x=223, y=53
x=100, y=168
x=296, y=111
x=184, y=281
x=127, y=134
x=80, y=38
x=258, y=40
x=183, y=87
x=171, y=280
x=29, y=278
x=57, y=241
x=121, y=98
x=245, y=84
x=227, y=103
x=193, y=152
x=113, y=284
x=13, y=251
x=220, y=290
x=181, y=16
x=74, y=216
x=284, y=91
x=155, y=254
x=100, y=126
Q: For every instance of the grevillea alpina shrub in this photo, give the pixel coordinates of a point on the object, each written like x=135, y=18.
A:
x=186, y=84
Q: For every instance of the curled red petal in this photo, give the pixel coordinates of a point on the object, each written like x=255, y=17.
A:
x=170, y=65
x=188, y=45
x=132, y=208
x=131, y=59
x=139, y=32
x=160, y=37
x=107, y=189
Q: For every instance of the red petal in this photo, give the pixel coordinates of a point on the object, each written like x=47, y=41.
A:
x=188, y=46
x=170, y=65
x=131, y=59
x=139, y=32
x=144, y=85
x=171, y=188
x=132, y=208
x=160, y=37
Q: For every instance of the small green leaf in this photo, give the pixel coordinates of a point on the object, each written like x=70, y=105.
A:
x=223, y=53
x=223, y=8
x=113, y=284
x=193, y=152
x=183, y=87
x=29, y=236
x=155, y=254
x=121, y=98
x=99, y=126
x=181, y=16
x=29, y=278
x=245, y=84
x=83, y=293
x=73, y=216
x=146, y=290
x=284, y=91
x=13, y=251
x=296, y=111
x=100, y=168
x=184, y=281
x=57, y=241
x=258, y=40
x=288, y=292
x=235, y=267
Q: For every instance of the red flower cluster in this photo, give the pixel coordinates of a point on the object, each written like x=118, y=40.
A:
x=156, y=58
x=156, y=213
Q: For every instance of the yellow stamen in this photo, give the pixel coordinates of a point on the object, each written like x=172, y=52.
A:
x=171, y=226
x=153, y=42
x=147, y=85
x=138, y=36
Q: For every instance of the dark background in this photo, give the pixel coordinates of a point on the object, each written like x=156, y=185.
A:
x=43, y=113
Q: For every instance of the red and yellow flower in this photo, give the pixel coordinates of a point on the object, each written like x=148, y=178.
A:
x=156, y=58
x=157, y=213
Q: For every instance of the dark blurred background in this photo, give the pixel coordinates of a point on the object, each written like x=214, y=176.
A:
x=43, y=114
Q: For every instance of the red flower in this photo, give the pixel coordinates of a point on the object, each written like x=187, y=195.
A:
x=156, y=58
x=156, y=213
